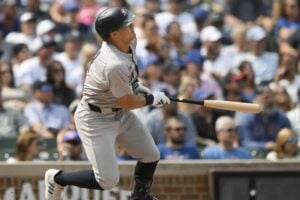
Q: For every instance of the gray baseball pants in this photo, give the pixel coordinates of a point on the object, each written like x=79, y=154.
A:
x=99, y=133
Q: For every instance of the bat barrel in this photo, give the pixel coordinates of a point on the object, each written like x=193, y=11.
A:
x=233, y=106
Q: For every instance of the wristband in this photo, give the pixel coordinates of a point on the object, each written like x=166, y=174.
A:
x=149, y=99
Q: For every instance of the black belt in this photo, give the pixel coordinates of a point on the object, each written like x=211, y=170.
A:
x=99, y=110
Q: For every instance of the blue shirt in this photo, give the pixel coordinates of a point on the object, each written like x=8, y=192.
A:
x=52, y=116
x=217, y=152
x=183, y=153
x=255, y=130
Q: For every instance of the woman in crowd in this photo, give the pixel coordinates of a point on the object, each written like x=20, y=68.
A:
x=286, y=145
x=63, y=94
x=28, y=147
x=12, y=96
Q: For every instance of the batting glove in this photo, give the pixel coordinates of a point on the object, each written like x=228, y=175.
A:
x=160, y=99
x=139, y=88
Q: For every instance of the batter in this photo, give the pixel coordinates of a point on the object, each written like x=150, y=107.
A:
x=103, y=116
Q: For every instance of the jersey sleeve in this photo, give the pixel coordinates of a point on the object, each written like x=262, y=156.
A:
x=119, y=81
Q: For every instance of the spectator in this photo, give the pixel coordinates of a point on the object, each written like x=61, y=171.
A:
x=9, y=21
x=227, y=147
x=11, y=121
x=286, y=146
x=44, y=116
x=147, y=46
x=70, y=59
x=27, y=33
x=232, y=86
x=34, y=69
x=282, y=99
x=194, y=69
x=174, y=147
x=156, y=119
x=13, y=97
x=187, y=89
x=239, y=46
x=170, y=76
x=178, y=48
x=247, y=83
x=204, y=119
x=290, y=15
x=215, y=63
x=71, y=147
x=243, y=11
x=259, y=131
x=287, y=75
x=20, y=52
x=62, y=93
x=28, y=147
x=294, y=115
x=264, y=63
x=177, y=13
x=88, y=11
x=70, y=23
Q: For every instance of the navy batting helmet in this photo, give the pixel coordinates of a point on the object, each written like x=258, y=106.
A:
x=111, y=19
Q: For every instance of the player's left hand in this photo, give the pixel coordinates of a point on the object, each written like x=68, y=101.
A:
x=139, y=88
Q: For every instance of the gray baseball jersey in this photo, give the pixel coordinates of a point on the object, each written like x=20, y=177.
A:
x=111, y=75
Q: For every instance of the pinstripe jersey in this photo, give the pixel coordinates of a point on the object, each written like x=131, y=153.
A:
x=110, y=75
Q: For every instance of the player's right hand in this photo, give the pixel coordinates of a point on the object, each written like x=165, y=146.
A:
x=160, y=99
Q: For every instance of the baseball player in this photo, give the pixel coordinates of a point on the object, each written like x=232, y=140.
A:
x=103, y=116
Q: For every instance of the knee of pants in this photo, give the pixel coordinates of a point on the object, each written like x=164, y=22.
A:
x=108, y=183
x=153, y=156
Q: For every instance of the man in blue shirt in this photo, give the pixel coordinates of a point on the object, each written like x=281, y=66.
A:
x=44, y=116
x=259, y=131
x=174, y=147
x=227, y=147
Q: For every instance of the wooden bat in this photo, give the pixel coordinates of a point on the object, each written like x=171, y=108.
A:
x=223, y=105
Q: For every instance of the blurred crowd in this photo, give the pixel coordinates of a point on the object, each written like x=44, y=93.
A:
x=236, y=50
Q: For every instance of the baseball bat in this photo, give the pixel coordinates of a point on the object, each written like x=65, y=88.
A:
x=224, y=105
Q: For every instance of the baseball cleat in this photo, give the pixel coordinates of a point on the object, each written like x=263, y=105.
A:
x=53, y=190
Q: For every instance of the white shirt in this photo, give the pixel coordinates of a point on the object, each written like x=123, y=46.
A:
x=31, y=70
x=71, y=68
x=186, y=21
x=292, y=87
x=221, y=65
x=264, y=66
x=294, y=117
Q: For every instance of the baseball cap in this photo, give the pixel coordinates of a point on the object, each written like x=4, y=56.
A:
x=42, y=86
x=199, y=13
x=170, y=68
x=39, y=42
x=71, y=136
x=210, y=34
x=194, y=56
x=256, y=33
x=71, y=6
x=27, y=16
x=44, y=27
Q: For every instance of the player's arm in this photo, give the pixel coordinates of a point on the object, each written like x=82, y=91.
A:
x=132, y=101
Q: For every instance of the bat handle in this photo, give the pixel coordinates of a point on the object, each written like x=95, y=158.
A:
x=187, y=101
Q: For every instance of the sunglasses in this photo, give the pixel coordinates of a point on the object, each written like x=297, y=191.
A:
x=73, y=142
x=230, y=130
x=177, y=129
x=293, y=139
x=58, y=70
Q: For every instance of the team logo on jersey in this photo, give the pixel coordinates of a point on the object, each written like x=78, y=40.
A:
x=124, y=11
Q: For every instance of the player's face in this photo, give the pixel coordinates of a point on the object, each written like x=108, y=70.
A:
x=127, y=33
